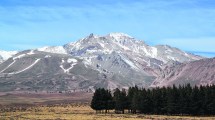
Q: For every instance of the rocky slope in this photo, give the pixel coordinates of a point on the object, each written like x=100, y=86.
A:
x=35, y=70
x=103, y=52
x=110, y=61
x=201, y=72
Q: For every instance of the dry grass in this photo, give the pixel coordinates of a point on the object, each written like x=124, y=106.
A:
x=81, y=112
x=41, y=98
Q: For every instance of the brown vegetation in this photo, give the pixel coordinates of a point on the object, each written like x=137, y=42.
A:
x=78, y=111
x=74, y=106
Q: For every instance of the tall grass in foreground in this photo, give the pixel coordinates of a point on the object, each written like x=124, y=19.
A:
x=80, y=112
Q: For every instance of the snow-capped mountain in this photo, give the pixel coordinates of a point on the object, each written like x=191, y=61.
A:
x=34, y=70
x=110, y=61
x=93, y=46
x=53, y=49
x=4, y=55
x=120, y=42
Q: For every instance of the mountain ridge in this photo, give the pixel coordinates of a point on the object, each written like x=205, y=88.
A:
x=4, y=55
x=116, y=60
x=120, y=40
x=200, y=72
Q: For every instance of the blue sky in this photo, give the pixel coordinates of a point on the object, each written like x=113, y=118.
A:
x=186, y=24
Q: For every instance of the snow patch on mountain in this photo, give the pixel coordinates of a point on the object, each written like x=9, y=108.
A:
x=25, y=69
x=171, y=58
x=48, y=56
x=36, y=61
x=154, y=52
x=53, y=49
x=68, y=69
x=122, y=46
x=8, y=66
x=119, y=35
x=72, y=60
x=131, y=64
x=19, y=56
x=7, y=54
x=31, y=52
x=63, y=61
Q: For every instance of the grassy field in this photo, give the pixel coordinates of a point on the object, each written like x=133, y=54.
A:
x=80, y=112
x=73, y=106
x=41, y=98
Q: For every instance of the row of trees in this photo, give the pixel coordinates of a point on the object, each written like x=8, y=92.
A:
x=182, y=100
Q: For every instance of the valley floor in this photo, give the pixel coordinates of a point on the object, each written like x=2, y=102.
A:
x=73, y=106
x=17, y=98
x=81, y=112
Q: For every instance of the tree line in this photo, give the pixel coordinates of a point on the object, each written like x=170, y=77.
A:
x=181, y=100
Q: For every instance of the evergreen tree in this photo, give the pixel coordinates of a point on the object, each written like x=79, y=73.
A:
x=172, y=100
x=156, y=100
x=102, y=100
x=146, y=103
x=212, y=103
x=96, y=103
x=181, y=100
x=135, y=102
x=120, y=101
x=110, y=103
x=131, y=92
x=163, y=100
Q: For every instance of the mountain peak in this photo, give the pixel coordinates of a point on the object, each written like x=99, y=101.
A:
x=111, y=61
x=118, y=35
x=92, y=36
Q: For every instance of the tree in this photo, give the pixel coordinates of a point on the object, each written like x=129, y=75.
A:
x=182, y=100
x=96, y=103
x=157, y=100
x=172, y=100
x=135, y=103
x=131, y=92
x=109, y=103
x=145, y=101
x=102, y=100
x=195, y=101
x=120, y=101
x=183, y=103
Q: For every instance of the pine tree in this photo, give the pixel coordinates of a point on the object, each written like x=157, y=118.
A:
x=131, y=92
x=145, y=101
x=172, y=100
x=187, y=99
x=102, y=100
x=120, y=101
x=135, y=102
x=96, y=103
x=195, y=101
x=212, y=104
x=109, y=101
x=163, y=100
x=182, y=100
x=157, y=100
